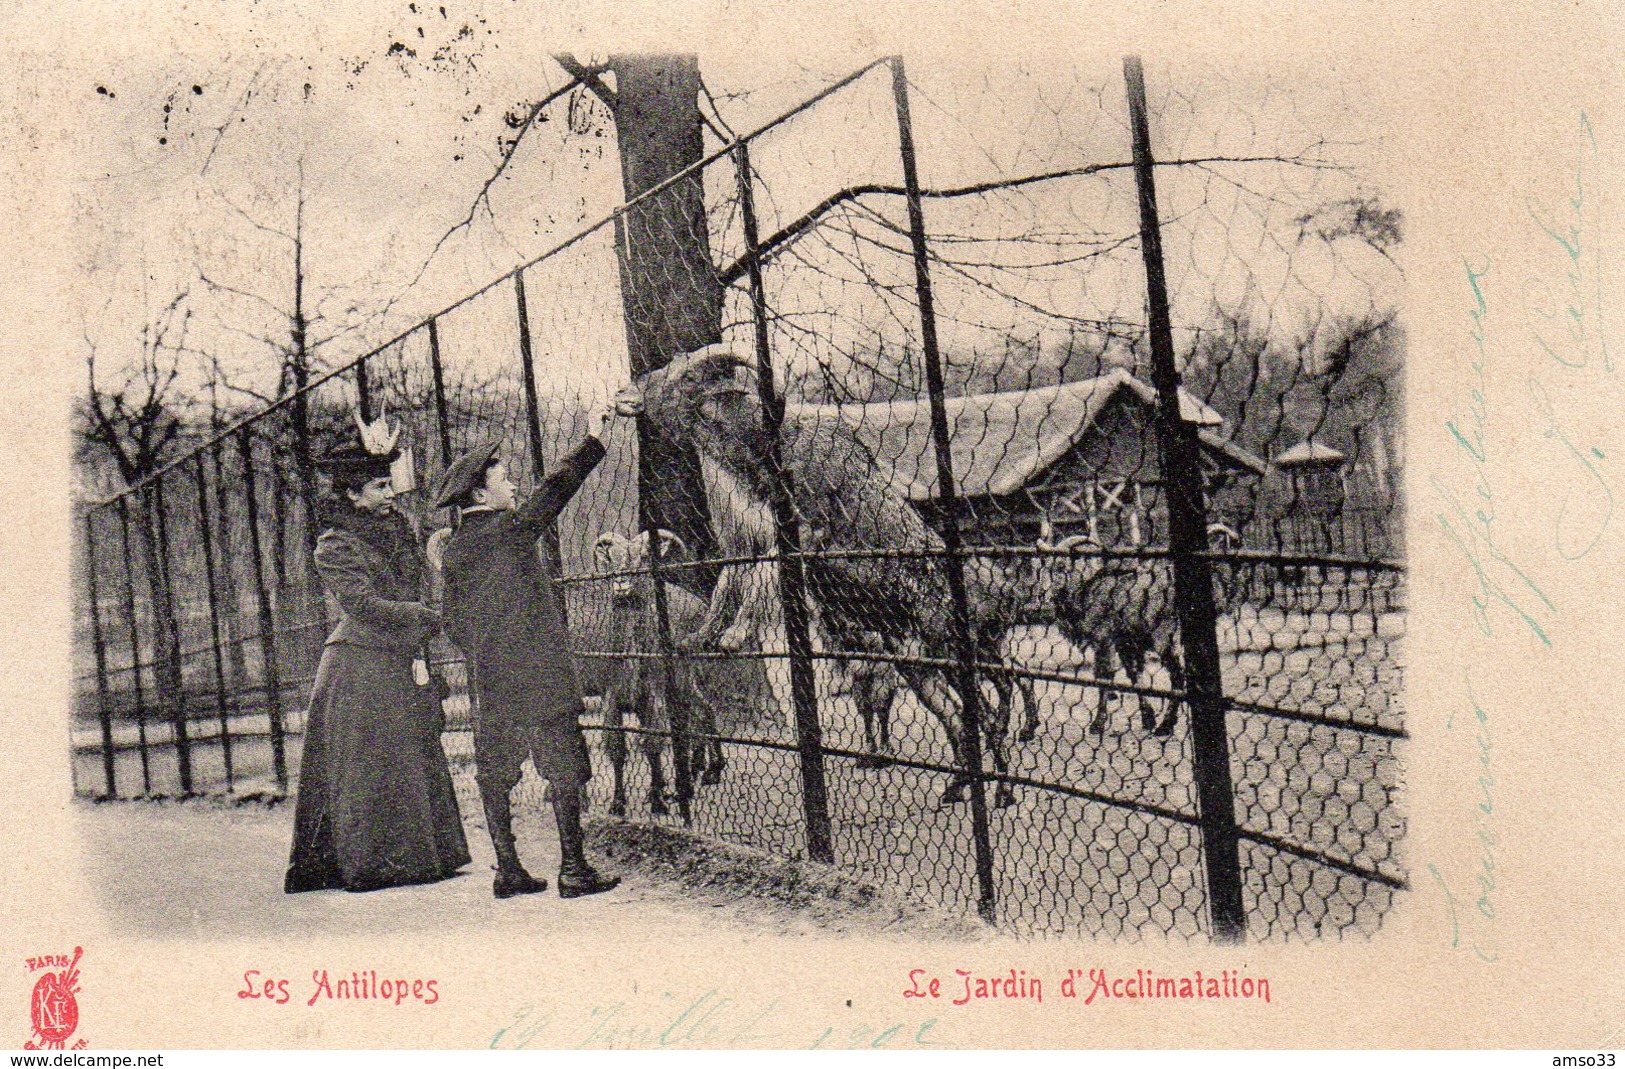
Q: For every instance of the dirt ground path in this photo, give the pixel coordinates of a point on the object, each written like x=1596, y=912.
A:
x=202, y=870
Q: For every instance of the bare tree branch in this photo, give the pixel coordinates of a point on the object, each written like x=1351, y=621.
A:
x=231, y=117
x=221, y=287
x=482, y=199
x=137, y=421
x=727, y=132
x=587, y=76
x=251, y=221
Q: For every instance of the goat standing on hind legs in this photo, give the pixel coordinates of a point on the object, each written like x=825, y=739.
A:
x=639, y=681
x=709, y=399
x=746, y=610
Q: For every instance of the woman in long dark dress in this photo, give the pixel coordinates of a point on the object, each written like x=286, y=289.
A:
x=376, y=804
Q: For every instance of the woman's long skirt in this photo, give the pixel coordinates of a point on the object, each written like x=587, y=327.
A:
x=376, y=804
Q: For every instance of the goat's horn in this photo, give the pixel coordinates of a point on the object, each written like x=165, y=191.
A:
x=435, y=550
x=669, y=539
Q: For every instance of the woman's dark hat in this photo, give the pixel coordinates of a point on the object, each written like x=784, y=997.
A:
x=466, y=473
x=370, y=457
x=353, y=461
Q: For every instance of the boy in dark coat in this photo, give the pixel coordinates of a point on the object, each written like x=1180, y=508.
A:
x=506, y=613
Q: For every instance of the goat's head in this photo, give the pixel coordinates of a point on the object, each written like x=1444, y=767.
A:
x=708, y=395
x=626, y=557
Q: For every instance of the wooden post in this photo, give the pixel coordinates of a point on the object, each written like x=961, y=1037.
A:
x=1187, y=542
x=235, y=626
x=527, y=365
x=363, y=390
x=223, y=703
x=171, y=670
x=441, y=410
x=533, y=417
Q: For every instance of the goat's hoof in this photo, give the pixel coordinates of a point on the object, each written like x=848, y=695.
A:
x=1027, y=734
x=1004, y=798
x=657, y=806
x=711, y=777
x=1165, y=729
x=617, y=807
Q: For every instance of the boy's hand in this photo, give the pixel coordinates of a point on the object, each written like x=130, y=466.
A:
x=629, y=402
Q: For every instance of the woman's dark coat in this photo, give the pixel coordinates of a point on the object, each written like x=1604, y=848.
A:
x=376, y=804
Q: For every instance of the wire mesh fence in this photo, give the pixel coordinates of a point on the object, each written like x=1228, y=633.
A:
x=1029, y=545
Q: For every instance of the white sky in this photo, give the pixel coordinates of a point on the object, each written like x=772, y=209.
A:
x=394, y=151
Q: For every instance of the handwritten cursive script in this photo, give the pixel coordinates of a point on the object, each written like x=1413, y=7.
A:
x=1565, y=318
x=1500, y=582
x=1477, y=931
x=1532, y=413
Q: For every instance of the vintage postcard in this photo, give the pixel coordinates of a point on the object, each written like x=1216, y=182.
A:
x=869, y=526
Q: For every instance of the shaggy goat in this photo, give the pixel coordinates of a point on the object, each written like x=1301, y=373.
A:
x=639, y=679
x=1124, y=610
x=843, y=503
x=746, y=609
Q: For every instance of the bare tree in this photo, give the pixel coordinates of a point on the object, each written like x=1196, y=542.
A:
x=136, y=421
x=671, y=290
x=285, y=317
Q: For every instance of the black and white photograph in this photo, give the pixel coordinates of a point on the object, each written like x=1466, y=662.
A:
x=531, y=493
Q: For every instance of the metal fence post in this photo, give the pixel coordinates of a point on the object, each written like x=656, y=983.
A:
x=442, y=414
x=964, y=651
x=270, y=674
x=223, y=702
x=527, y=365
x=228, y=575
x=792, y=578
x=172, y=672
x=104, y=708
x=363, y=390
x=676, y=701
x=533, y=413
x=1187, y=542
x=135, y=646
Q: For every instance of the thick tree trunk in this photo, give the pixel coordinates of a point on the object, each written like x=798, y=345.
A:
x=670, y=289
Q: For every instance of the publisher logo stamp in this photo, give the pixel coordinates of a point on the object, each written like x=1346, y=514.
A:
x=53, y=1007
